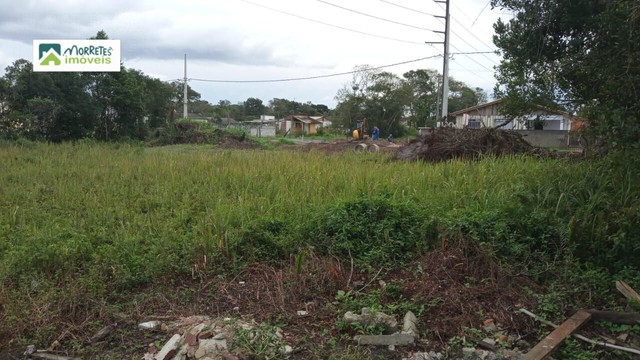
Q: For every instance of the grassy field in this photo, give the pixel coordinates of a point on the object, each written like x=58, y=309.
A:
x=85, y=224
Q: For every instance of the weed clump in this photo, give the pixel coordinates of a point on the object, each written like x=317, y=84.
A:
x=374, y=230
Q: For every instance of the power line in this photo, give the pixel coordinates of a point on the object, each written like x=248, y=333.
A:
x=373, y=16
x=480, y=13
x=473, y=52
x=332, y=25
x=460, y=37
x=313, y=77
x=472, y=59
x=472, y=34
x=407, y=8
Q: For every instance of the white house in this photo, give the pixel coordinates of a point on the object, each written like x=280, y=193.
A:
x=489, y=115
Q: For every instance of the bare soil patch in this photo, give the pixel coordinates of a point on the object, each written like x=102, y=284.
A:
x=457, y=288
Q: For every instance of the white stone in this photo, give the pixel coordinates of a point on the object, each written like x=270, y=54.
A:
x=170, y=346
x=149, y=325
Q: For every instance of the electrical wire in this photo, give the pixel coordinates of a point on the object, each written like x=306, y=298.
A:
x=312, y=77
x=442, y=21
x=331, y=25
x=373, y=16
x=407, y=8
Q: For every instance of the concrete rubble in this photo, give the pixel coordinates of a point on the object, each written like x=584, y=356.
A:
x=392, y=337
x=198, y=338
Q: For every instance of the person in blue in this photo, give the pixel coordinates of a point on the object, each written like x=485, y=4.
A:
x=390, y=138
x=376, y=133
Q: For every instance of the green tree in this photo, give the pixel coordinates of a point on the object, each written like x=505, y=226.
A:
x=52, y=106
x=425, y=89
x=158, y=102
x=461, y=96
x=177, y=98
x=581, y=54
x=254, y=107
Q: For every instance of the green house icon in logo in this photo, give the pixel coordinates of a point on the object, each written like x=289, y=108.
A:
x=49, y=54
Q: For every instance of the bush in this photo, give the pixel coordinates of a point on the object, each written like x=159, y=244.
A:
x=374, y=230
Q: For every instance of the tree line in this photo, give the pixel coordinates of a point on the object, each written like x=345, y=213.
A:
x=62, y=106
x=392, y=102
x=582, y=56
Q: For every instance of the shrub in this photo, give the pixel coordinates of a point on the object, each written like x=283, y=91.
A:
x=372, y=229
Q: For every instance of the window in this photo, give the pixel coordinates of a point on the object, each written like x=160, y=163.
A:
x=499, y=122
x=474, y=124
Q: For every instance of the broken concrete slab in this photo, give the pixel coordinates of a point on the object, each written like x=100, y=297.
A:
x=385, y=340
x=409, y=325
x=169, y=349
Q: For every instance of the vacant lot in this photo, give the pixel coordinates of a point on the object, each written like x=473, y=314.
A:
x=92, y=235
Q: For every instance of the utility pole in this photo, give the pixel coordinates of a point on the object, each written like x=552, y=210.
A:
x=445, y=60
x=185, y=113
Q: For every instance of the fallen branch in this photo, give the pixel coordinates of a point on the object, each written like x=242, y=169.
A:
x=43, y=355
x=580, y=337
x=628, y=291
x=625, y=318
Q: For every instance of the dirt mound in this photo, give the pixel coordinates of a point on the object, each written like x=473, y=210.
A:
x=443, y=144
x=340, y=146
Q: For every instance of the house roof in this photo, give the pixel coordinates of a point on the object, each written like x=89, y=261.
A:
x=259, y=121
x=305, y=119
x=477, y=107
x=228, y=121
x=496, y=102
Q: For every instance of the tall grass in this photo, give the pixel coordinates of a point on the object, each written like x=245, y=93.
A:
x=139, y=211
x=114, y=217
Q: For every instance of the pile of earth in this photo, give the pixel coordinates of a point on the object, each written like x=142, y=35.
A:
x=441, y=144
x=344, y=145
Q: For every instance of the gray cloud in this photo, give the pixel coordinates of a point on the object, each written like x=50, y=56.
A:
x=146, y=32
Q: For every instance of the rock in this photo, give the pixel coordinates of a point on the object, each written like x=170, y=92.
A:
x=221, y=336
x=197, y=329
x=409, y=324
x=489, y=326
x=350, y=318
x=30, y=350
x=191, y=339
x=385, y=340
x=211, y=347
x=431, y=355
x=191, y=352
x=489, y=341
x=149, y=325
x=182, y=353
x=170, y=348
x=207, y=334
x=371, y=318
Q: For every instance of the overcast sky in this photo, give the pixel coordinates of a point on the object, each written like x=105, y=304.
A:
x=264, y=39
